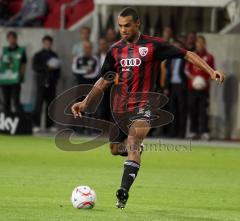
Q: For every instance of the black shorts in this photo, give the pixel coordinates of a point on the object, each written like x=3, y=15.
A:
x=123, y=125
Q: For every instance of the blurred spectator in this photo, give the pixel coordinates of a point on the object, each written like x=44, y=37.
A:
x=198, y=85
x=230, y=99
x=46, y=66
x=168, y=34
x=105, y=104
x=191, y=41
x=182, y=38
x=86, y=70
x=12, y=70
x=32, y=13
x=85, y=67
x=176, y=85
x=102, y=51
x=111, y=36
x=161, y=88
x=85, y=33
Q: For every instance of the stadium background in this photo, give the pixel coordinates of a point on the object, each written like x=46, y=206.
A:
x=196, y=184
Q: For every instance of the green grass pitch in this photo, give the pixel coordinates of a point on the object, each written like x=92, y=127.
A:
x=36, y=181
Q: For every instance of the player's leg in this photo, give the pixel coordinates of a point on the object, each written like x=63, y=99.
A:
x=137, y=132
x=119, y=148
x=118, y=144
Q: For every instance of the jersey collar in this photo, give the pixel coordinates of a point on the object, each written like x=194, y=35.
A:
x=139, y=37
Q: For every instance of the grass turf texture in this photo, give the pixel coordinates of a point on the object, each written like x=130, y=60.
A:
x=36, y=181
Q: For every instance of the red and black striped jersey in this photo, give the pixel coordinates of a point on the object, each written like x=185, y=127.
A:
x=137, y=65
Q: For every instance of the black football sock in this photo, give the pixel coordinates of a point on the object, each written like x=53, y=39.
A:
x=129, y=174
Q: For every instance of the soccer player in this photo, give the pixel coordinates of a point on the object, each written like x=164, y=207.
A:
x=135, y=59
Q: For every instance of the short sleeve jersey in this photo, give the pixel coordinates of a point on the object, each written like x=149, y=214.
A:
x=137, y=66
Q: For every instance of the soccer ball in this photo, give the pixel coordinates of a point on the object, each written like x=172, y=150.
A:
x=199, y=83
x=83, y=197
x=53, y=63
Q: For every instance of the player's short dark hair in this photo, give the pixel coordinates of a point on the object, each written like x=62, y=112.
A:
x=47, y=38
x=12, y=34
x=202, y=38
x=130, y=12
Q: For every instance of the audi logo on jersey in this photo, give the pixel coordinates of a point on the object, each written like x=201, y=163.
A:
x=130, y=62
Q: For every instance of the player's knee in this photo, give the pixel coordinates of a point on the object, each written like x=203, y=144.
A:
x=114, y=149
x=138, y=135
x=139, y=130
x=135, y=141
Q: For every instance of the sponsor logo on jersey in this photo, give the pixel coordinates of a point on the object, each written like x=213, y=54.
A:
x=130, y=62
x=143, y=51
x=145, y=113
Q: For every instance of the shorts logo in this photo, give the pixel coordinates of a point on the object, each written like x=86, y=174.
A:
x=130, y=62
x=145, y=113
x=143, y=51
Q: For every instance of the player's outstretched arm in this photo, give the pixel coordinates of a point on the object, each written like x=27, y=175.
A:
x=199, y=62
x=99, y=87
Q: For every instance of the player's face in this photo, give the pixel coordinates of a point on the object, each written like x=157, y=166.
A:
x=128, y=27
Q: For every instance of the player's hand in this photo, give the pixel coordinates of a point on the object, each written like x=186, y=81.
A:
x=78, y=109
x=218, y=76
